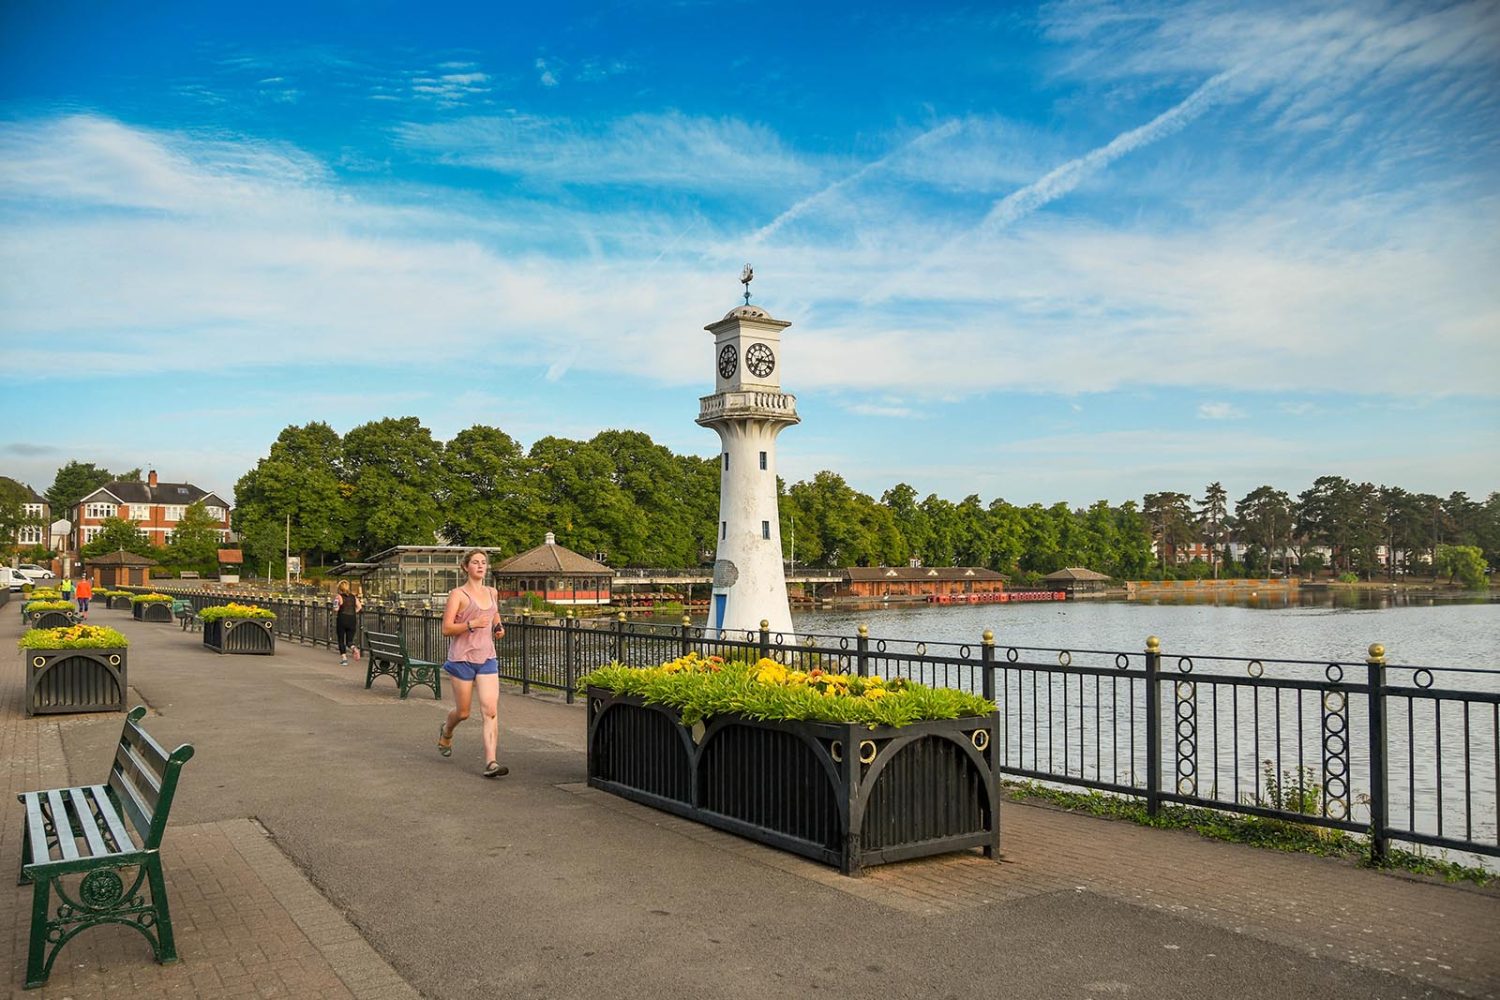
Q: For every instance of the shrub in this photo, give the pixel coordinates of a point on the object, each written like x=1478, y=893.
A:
x=702, y=687
x=73, y=637
x=47, y=605
x=232, y=610
x=150, y=599
x=46, y=594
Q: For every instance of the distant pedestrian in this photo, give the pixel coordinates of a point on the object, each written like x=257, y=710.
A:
x=471, y=619
x=345, y=620
x=84, y=591
x=66, y=586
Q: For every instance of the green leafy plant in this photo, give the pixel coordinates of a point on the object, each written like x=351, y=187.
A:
x=703, y=687
x=1278, y=835
x=222, y=611
x=45, y=594
x=47, y=605
x=1290, y=791
x=73, y=637
x=150, y=599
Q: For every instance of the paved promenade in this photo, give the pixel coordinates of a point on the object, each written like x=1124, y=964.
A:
x=320, y=847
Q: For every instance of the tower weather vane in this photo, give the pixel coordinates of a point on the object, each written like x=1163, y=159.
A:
x=747, y=275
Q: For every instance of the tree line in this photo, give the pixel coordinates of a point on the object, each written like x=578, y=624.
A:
x=620, y=495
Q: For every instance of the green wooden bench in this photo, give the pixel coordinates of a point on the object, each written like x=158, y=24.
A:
x=183, y=611
x=387, y=657
x=111, y=835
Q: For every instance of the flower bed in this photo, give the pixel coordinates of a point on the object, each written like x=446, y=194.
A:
x=47, y=614
x=239, y=628
x=851, y=771
x=151, y=608
x=80, y=668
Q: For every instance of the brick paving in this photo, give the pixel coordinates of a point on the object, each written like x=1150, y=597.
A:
x=319, y=848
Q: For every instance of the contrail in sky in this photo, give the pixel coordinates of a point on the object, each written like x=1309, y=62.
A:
x=1019, y=204
x=943, y=131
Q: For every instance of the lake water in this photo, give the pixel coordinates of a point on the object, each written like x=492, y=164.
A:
x=1323, y=625
x=1444, y=758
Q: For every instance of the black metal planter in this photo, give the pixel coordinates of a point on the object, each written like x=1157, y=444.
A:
x=240, y=635
x=151, y=611
x=842, y=794
x=51, y=619
x=74, y=680
x=120, y=602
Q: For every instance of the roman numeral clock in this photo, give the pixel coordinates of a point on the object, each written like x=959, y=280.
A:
x=748, y=410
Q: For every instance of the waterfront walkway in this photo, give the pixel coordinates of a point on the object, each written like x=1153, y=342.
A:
x=320, y=847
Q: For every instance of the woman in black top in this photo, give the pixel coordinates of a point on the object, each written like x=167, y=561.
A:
x=349, y=606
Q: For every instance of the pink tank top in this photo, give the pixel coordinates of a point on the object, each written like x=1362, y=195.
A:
x=478, y=645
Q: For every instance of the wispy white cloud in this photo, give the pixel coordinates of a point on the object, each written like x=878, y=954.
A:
x=1067, y=177
x=668, y=150
x=545, y=76
x=1220, y=411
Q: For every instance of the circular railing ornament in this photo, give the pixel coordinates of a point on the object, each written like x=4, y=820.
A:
x=114, y=659
x=1255, y=668
x=836, y=751
x=1185, y=664
x=1012, y=654
x=1122, y=661
x=1422, y=678
x=1334, y=672
x=980, y=738
x=1064, y=658
x=867, y=751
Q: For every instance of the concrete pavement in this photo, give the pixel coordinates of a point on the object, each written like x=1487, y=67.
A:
x=321, y=847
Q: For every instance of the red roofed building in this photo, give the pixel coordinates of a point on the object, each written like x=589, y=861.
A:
x=154, y=506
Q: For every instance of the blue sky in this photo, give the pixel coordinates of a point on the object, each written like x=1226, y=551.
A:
x=1062, y=252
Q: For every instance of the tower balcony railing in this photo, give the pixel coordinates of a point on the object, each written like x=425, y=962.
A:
x=747, y=404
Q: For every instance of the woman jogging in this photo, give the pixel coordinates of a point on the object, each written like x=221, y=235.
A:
x=346, y=620
x=471, y=620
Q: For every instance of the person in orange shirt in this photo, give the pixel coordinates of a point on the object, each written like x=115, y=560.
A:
x=84, y=591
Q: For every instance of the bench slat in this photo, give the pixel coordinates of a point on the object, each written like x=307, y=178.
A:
x=111, y=817
x=132, y=768
x=87, y=821
x=63, y=825
x=41, y=853
x=134, y=807
x=146, y=746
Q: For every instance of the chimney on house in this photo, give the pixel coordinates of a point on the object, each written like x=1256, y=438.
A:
x=151, y=478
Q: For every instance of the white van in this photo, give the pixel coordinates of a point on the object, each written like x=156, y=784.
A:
x=10, y=579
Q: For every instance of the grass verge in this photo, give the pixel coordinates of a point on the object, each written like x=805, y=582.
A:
x=1274, y=834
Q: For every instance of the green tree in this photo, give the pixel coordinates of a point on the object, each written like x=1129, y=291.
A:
x=1265, y=517
x=117, y=534
x=300, y=479
x=1213, y=515
x=1464, y=564
x=13, y=500
x=395, y=471
x=74, y=481
x=1171, y=521
x=910, y=520
x=194, y=542
x=492, y=500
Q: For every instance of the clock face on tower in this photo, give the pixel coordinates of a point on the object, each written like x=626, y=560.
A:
x=760, y=360
x=729, y=360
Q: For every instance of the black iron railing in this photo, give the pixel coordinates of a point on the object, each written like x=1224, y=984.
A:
x=1395, y=752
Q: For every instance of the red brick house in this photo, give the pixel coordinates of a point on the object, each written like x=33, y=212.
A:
x=154, y=506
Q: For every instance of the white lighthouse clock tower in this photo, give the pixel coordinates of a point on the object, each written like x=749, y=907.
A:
x=748, y=409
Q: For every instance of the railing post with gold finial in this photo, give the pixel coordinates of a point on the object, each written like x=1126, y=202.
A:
x=987, y=657
x=862, y=651
x=1379, y=779
x=1153, y=725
